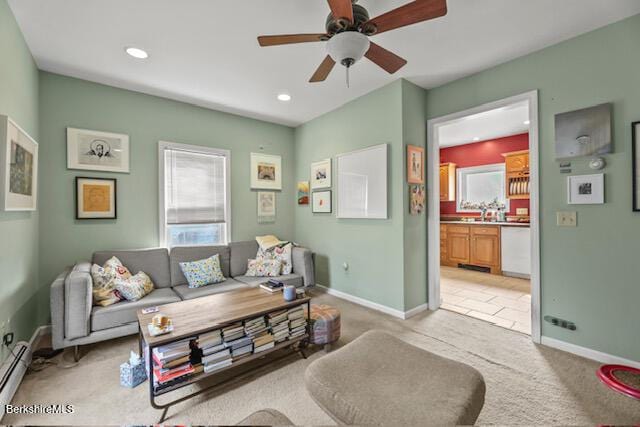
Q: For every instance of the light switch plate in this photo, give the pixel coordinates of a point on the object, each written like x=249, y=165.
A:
x=567, y=219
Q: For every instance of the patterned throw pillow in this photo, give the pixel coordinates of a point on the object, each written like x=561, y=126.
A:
x=135, y=287
x=279, y=253
x=264, y=268
x=203, y=272
x=104, y=290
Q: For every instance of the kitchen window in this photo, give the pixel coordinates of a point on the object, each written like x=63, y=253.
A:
x=480, y=185
x=194, y=195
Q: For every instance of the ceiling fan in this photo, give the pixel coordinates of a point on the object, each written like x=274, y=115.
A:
x=348, y=29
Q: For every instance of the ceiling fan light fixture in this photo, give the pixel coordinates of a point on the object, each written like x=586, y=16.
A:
x=348, y=47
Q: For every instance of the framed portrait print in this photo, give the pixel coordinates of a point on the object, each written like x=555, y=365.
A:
x=97, y=151
x=585, y=189
x=321, y=174
x=96, y=198
x=415, y=164
x=266, y=172
x=321, y=201
x=635, y=150
x=18, y=167
x=266, y=206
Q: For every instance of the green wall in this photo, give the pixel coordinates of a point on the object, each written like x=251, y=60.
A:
x=589, y=273
x=66, y=101
x=18, y=230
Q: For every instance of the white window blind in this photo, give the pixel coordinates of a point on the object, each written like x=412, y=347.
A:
x=195, y=188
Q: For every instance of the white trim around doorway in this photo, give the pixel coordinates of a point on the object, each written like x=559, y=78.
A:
x=433, y=185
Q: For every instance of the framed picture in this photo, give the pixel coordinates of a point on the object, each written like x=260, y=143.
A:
x=18, y=167
x=416, y=199
x=321, y=201
x=585, y=189
x=321, y=174
x=635, y=151
x=266, y=172
x=266, y=206
x=583, y=132
x=415, y=164
x=97, y=151
x=96, y=198
x=303, y=193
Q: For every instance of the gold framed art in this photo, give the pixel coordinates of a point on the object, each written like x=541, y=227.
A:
x=96, y=198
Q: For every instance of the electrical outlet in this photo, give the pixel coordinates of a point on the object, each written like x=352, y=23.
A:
x=567, y=219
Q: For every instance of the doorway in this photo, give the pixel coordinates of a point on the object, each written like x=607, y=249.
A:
x=483, y=225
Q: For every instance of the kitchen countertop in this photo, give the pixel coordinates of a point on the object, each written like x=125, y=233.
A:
x=504, y=224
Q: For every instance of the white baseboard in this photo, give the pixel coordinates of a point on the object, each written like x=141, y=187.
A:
x=38, y=334
x=374, y=305
x=588, y=353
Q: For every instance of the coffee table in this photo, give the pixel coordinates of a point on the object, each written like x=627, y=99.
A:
x=201, y=315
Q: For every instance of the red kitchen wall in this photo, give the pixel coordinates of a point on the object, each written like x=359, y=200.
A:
x=483, y=153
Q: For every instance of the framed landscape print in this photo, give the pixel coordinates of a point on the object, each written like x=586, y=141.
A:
x=18, y=167
x=97, y=151
x=266, y=206
x=321, y=174
x=266, y=172
x=635, y=150
x=321, y=201
x=415, y=165
x=303, y=193
x=585, y=189
x=96, y=198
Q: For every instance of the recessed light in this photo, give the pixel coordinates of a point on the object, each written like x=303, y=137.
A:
x=476, y=139
x=285, y=97
x=527, y=122
x=137, y=53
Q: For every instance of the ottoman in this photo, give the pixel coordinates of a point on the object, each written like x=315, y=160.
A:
x=379, y=379
x=266, y=417
x=325, y=325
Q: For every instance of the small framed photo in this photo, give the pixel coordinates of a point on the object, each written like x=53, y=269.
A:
x=321, y=201
x=635, y=150
x=321, y=174
x=303, y=193
x=416, y=199
x=97, y=151
x=415, y=164
x=585, y=189
x=18, y=168
x=266, y=172
x=96, y=198
x=266, y=206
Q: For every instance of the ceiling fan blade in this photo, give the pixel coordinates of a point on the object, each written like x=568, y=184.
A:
x=323, y=70
x=290, y=39
x=410, y=13
x=388, y=61
x=341, y=9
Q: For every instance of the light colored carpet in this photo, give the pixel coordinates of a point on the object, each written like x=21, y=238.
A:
x=526, y=383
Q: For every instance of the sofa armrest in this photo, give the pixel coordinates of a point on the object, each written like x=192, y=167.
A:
x=78, y=300
x=56, y=300
x=302, y=259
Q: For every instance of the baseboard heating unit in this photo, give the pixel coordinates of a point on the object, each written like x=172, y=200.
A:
x=11, y=373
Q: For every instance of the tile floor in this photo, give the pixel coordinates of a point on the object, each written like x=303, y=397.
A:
x=503, y=301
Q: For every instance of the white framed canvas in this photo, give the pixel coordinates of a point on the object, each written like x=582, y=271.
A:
x=266, y=172
x=97, y=151
x=321, y=201
x=321, y=174
x=18, y=167
x=585, y=189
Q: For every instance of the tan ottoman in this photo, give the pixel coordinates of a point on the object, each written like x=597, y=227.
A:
x=266, y=417
x=325, y=325
x=380, y=379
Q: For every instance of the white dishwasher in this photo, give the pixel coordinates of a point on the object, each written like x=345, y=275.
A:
x=516, y=251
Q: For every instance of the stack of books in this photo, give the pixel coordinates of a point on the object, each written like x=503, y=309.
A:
x=279, y=325
x=263, y=342
x=215, y=354
x=240, y=347
x=171, y=364
x=297, y=322
x=233, y=332
x=255, y=327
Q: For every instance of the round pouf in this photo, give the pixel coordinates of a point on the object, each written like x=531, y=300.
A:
x=325, y=325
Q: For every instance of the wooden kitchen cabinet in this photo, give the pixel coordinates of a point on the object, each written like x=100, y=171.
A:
x=517, y=174
x=477, y=245
x=485, y=247
x=457, y=245
x=447, y=182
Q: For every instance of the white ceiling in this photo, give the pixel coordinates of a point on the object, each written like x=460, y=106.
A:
x=498, y=123
x=205, y=51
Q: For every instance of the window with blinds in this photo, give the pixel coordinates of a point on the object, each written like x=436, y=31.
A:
x=195, y=195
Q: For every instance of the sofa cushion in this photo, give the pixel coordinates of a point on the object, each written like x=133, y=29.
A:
x=154, y=262
x=126, y=311
x=186, y=292
x=356, y=384
x=241, y=253
x=288, y=279
x=194, y=253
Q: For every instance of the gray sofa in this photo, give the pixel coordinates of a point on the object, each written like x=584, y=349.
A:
x=75, y=321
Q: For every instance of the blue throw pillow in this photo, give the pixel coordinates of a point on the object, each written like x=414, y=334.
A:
x=203, y=272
